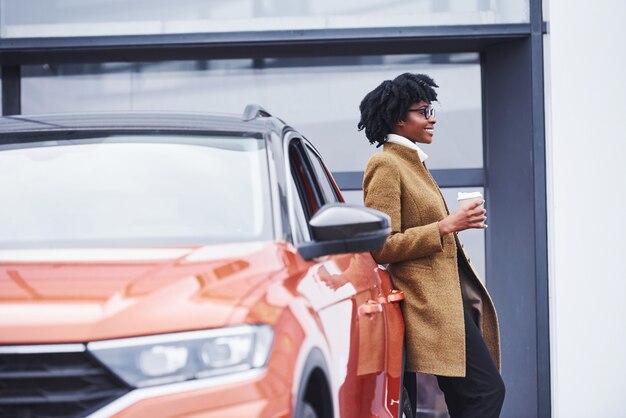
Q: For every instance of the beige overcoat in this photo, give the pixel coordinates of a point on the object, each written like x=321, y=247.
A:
x=424, y=265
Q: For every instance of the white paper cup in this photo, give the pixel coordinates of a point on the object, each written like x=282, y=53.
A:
x=466, y=198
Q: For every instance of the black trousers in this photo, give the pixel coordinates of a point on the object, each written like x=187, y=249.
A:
x=480, y=393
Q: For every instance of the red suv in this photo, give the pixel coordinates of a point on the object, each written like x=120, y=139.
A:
x=160, y=265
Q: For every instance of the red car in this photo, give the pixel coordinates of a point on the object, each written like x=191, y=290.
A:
x=161, y=265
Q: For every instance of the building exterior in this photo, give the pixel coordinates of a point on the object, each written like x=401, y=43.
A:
x=587, y=281
x=531, y=113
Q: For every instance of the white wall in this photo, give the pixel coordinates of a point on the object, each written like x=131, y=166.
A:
x=586, y=140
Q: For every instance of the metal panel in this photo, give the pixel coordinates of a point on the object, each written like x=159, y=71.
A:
x=516, y=263
x=539, y=27
x=325, y=42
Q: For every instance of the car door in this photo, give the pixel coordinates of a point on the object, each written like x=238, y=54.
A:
x=347, y=292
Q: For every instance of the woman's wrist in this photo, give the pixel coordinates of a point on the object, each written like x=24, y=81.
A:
x=443, y=229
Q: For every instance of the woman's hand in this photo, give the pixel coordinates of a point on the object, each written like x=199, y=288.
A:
x=470, y=216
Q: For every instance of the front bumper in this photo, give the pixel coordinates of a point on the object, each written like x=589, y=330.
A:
x=253, y=393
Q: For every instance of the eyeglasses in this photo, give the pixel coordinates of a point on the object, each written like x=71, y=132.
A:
x=428, y=112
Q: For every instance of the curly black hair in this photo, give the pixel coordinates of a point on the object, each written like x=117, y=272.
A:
x=388, y=104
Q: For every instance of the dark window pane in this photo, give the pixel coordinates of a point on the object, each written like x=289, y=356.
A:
x=322, y=177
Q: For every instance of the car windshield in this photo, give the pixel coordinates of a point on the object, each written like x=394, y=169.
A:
x=139, y=190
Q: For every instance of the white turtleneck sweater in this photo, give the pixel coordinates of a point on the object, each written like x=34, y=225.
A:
x=400, y=140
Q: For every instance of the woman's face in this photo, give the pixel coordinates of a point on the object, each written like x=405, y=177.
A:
x=416, y=126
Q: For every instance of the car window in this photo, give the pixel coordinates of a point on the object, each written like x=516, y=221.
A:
x=301, y=232
x=326, y=186
x=135, y=190
x=302, y=173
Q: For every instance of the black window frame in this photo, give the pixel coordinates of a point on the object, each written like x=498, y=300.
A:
x=311, y=153
x=295, y=147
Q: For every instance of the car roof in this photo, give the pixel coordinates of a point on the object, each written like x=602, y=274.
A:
x=141, y=121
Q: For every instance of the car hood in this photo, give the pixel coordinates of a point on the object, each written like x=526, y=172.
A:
x=56, y=296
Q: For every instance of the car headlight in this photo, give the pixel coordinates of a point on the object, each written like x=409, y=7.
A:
x=168, y=358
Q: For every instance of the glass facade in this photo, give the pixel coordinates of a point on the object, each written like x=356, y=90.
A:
x=319, y=96
x=51, y=18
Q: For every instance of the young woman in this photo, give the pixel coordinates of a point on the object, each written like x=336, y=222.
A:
x=450, y=321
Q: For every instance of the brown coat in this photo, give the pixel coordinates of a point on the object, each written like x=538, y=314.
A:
x=423, y=264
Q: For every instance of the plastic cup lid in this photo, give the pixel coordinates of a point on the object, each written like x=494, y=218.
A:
x=468, y=195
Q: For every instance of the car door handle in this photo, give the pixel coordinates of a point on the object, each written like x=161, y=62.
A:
x=395, y=296
x=370, y=307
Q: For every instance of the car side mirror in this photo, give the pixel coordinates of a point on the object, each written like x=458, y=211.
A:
x=341, y=228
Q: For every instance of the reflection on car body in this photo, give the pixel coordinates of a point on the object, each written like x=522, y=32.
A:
x=188, y=265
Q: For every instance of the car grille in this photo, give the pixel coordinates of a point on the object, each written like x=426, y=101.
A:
x=57, y=384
